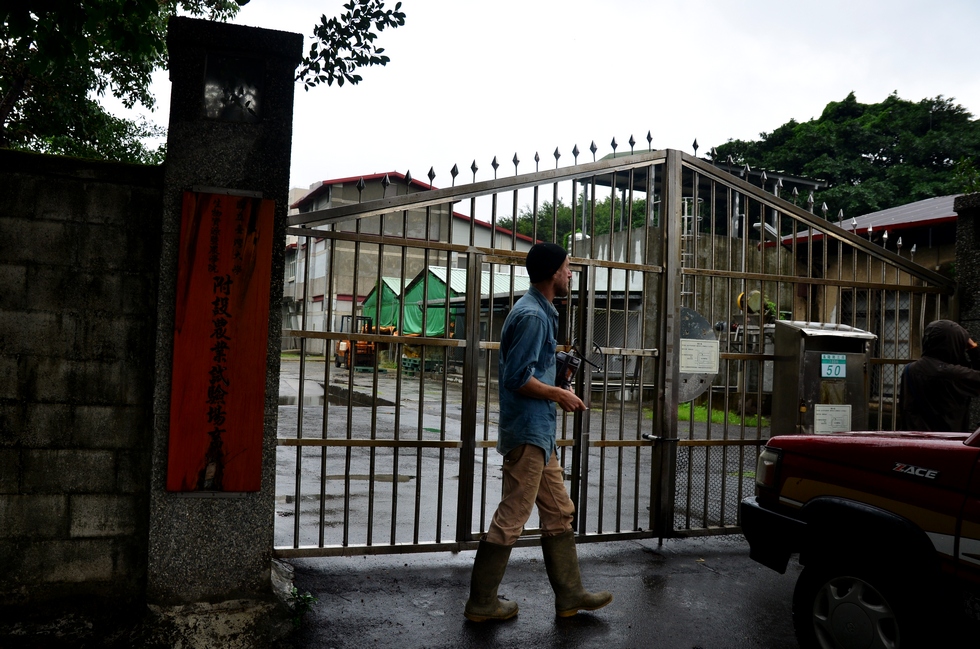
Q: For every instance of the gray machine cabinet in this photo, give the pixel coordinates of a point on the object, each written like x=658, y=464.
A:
x=820, y=378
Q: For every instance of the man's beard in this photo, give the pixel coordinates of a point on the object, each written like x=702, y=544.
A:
x=561, y=291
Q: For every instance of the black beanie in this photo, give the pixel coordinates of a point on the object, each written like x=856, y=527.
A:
x=543, y=259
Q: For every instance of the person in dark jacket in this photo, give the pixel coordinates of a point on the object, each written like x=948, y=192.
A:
x=936, y=389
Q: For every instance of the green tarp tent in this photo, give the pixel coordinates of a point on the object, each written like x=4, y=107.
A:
x=390, y=287
x=419, y=291
x=435, y=319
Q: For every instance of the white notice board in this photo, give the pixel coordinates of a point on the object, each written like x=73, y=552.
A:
x=699, y=356
x=831, y=418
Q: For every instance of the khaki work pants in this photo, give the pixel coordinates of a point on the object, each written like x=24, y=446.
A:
x=528, y=481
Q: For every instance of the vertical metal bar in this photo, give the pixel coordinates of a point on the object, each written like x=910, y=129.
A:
x=895, y=351
x=423, y=352
x=884, y=329
x=825, y=289
x=709, y=400
x=840, y=282
x=325, y=408
x=399, y=375
x=471, y=362
x=328, y=298
x=605, y=392
x=472, y=369
x=442, y=406
x=372, y=452
x=651, y=336
x=581, y=427
x=591, y=229
x=672, y=198
x=624, y=237
x=487, y=367
x=348, y=455
x=854, y=290
x=573, y=248
x=726, y=365
x=744, y=364
x=298, y=493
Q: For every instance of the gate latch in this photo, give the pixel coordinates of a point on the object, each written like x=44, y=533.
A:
x=655, y=439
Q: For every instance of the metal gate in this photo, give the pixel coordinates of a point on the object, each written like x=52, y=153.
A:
x=398, y=455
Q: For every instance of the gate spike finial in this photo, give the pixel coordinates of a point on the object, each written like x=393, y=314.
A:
x=593, y=148
x=432, y=174
x=823, y=208
x=810, y=201
x=516, y=162
x=613, y=145
x=360, y=188
x=730, y=161
x=695, y=145
x=898, y=244
x=408, y=177
x=764, y=178
x=854, y=224
x=474, y=169
x=884, y=239
x=575, y=153
x=537, y=160
x=649, y=141
x=714, y=155
x=632, y=143
x=494, y=164
x=385, y=182
x=454, y=172
x=840, y=214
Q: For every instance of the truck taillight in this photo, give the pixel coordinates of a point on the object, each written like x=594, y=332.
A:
x=767, y=468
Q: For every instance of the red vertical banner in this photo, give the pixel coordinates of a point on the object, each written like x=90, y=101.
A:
x=221, y=329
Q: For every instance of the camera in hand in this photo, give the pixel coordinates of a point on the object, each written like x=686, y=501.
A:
x=567, y=366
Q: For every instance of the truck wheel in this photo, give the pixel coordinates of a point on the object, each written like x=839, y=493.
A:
x=850, y=605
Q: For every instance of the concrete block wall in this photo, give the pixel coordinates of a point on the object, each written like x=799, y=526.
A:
x=79, y=266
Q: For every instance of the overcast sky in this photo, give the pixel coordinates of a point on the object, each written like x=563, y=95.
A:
x=473, y=80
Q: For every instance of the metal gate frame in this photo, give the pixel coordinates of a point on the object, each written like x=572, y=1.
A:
x=674, y=258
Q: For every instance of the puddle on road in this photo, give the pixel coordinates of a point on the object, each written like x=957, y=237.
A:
x=336, y=396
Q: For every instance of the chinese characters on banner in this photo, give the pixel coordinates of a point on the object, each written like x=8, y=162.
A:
x=221, y=326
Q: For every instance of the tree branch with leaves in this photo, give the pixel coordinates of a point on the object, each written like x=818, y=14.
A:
x=58, y=57
x=346, y=43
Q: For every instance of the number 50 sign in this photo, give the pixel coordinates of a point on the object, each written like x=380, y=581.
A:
x=833, y=366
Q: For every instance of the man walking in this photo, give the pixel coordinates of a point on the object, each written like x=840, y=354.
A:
x=527, y=440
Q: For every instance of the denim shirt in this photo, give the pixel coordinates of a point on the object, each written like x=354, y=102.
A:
x=527, y=348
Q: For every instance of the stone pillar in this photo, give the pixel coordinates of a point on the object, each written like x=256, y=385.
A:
x=230, y=131
x=967, y=208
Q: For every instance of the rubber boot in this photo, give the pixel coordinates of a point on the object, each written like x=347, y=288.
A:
x=561, y=560
x=488, y=570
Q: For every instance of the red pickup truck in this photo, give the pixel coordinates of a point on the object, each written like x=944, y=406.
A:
x=887, y=528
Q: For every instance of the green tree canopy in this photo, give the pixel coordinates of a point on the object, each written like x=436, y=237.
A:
x=57, y=57
x=873, y=156
x=599, y=217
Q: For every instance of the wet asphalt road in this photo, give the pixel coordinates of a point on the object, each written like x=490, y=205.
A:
x=688, y=593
